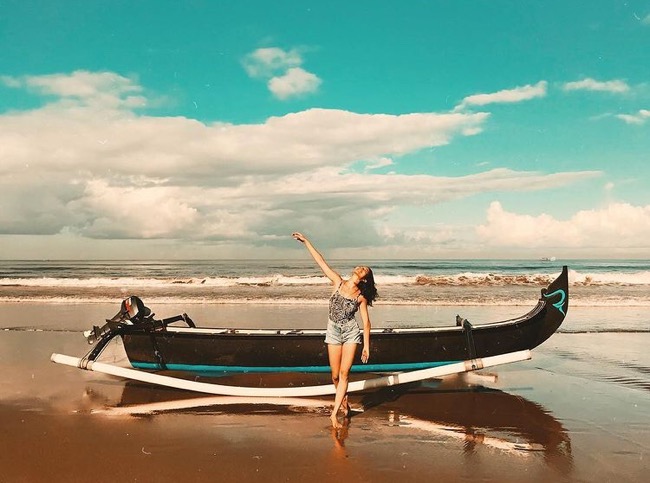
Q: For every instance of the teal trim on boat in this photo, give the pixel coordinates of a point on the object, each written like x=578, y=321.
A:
x=200, y=368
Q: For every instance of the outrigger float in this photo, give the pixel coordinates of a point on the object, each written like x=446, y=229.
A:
x=407, y=355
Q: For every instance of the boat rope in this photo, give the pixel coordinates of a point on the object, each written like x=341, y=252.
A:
x=156, y=352
x=469, y=335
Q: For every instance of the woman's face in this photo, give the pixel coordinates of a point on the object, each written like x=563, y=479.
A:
x=361, y=272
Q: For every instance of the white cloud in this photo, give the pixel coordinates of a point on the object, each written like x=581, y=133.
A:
x=379, y=163
x=518, y=94
x=618, y=225
x=78, y=165
x=133, y=211
x=294, y=82
x=420, y=236
x=98, y=89
x=640, y=117
x=366, y=189
x=266, y=62
x=82, y=140
x=588, y=84
x=282, y=69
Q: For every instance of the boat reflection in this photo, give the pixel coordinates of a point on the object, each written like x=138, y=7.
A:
x=450, y=409
x=478, y=416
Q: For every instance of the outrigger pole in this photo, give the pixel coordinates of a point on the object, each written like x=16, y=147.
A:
x=325, y=389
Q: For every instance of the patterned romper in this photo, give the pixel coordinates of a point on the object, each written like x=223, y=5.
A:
x=342, y=327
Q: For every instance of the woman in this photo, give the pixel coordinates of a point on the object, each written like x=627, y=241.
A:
x=343, y=334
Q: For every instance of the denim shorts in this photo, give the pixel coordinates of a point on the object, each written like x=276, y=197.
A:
x=345, y=333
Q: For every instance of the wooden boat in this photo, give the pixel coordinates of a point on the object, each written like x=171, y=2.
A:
x=156, y=345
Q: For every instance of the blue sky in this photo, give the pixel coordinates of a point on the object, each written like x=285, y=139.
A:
x=159, y=129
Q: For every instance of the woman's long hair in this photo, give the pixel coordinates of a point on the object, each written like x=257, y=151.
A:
x=367, y=287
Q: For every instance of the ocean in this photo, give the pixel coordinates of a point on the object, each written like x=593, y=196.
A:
x=290, y=293
x=233, y=273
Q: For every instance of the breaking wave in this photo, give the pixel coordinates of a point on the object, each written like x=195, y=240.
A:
x=456, y=280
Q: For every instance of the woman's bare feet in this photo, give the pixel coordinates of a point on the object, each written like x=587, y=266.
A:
x=335, y=422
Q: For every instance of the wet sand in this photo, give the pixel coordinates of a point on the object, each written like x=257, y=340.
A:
x=578, y=411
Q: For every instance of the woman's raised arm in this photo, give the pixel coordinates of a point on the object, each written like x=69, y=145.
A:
x=318, y=258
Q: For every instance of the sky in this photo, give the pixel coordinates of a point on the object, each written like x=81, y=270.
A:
x=380, y=129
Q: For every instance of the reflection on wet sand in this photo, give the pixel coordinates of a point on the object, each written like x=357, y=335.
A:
x=450, y=409
x=478, y=415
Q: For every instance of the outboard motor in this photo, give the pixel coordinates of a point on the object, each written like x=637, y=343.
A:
x=132, y=312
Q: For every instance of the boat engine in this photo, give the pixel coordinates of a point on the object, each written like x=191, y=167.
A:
x=133, y=311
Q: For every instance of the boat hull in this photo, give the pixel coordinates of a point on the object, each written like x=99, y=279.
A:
x=226, y=350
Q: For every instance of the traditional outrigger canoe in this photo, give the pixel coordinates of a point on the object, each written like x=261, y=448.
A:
x=155, y=345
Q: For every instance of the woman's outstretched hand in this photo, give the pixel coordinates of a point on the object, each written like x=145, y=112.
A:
x=299, y=236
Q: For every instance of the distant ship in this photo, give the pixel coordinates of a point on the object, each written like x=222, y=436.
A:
x=547, y=259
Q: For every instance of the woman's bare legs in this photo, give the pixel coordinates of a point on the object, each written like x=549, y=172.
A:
x=335, y=352
x=341, y=358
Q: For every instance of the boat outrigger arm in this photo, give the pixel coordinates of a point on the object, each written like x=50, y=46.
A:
x=320, y=390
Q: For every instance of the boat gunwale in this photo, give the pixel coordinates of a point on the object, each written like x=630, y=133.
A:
x=222, y=331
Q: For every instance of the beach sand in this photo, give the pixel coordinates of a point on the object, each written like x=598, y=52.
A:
x=578, y=411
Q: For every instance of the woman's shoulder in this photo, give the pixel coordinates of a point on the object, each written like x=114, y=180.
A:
x=337, y=281
x=336, y=284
